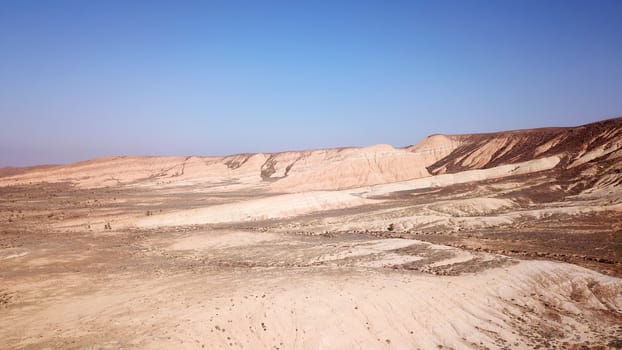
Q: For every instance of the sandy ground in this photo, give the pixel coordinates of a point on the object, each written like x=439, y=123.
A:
x=235, y=289
x=445, y=275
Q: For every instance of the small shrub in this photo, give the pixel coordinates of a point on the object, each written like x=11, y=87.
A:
x=391, y=227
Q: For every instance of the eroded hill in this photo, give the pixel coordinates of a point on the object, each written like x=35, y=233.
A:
x=589, y=152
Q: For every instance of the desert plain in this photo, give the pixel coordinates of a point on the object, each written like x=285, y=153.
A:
x=508, y=240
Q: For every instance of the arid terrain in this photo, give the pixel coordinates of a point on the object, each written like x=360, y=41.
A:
x=508, y=240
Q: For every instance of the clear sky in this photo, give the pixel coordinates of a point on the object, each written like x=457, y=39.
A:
x=83, y=79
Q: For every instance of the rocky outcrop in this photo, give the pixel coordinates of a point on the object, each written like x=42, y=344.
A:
x=575, y=145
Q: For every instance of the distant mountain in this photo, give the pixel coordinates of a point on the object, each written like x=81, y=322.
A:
x=584, y=156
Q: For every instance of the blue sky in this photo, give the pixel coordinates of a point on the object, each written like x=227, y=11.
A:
x=83, y=79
